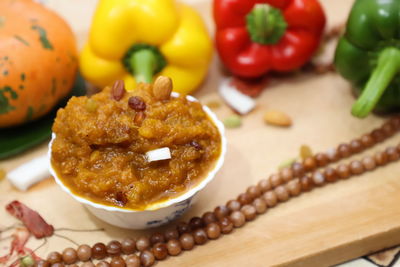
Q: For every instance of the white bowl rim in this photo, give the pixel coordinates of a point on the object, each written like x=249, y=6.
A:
x=158, y=205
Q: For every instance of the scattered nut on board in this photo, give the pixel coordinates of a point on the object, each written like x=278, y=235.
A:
x=305, y=152
x=233, y=121
x=2, y=174
x=286, y=163
x=213, y=104
x=277, y=118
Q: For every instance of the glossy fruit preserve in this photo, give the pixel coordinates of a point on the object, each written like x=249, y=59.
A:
x=101, y=142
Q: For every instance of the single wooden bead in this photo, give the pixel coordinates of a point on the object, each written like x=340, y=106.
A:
x=195, y=223
x=171, y=234
x=381, y=158
x=187, y=241
x=356, y=146
x=226, y=225
x=321, y=159
x=356, y=167
x=343, y=171
x=99, y=251
x=249, y=212
x=264, y=185
x=210, y=217
x=275, y=180
x=392, y=153
x=200, y=236
x=286, y=174
x=368, y=163
x=128, y=246
x=86, y=264
x=395, y=121
x=101, y=264
x=378, y=135
x=270, y=198
x=237, y=218
x=233, y=205
x=221, y=211
x=309, y=163
x=69, y=256
x=388, y=129
x=54, y=257
x=160, y=251
x=174, y=247
x=42, y=263
x=147, y=258
x=281, y=193
x=306, y=184
x=344, y=150
x=332, y=155
x=132, y=261
x=114, y=248
x=213, y=231
x=298, y=170
x=367, y=140
x=330, y=174
x=318, y=178
x=157, y=238
x=244, y=199
x=142, y=243
x=84, y=252
x=117, y=261
x=294, y=187
x=253, y=191
x=260, y=205
x=182, y=228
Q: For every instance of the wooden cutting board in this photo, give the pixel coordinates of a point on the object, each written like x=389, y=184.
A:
x=332, y=224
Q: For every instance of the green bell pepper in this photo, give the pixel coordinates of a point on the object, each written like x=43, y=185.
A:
x=368, y=55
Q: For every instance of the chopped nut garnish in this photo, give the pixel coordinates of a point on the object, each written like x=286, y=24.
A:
x=121, y=198
x=91, y=105
x=196, y=145
x=136, y=103
x=277, y=118
x=118, y=90
x=162, y=88
x=158, y=154
x=139, y=117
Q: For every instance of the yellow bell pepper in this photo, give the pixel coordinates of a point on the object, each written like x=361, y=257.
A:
x=138, y=40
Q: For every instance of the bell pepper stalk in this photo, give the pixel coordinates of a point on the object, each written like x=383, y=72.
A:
x=368, y=55
x=136, y=41
x=254, y=37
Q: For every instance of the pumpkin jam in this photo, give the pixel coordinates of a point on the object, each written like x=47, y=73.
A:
x=101, y=142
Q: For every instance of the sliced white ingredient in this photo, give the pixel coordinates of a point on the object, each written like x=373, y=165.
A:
x=29, y=173
x=235, y=99
x=158, y=154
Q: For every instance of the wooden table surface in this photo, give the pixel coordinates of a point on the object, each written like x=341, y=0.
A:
x=329, y=225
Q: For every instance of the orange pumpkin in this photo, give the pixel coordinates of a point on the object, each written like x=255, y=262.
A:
x=38, y=61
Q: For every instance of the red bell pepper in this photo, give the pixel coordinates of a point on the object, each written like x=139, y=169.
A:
x=254, y=37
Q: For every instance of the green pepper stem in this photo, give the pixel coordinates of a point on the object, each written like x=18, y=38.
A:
x=143, y=64
x=144, y=61
x=387, y=67
x=265, y=24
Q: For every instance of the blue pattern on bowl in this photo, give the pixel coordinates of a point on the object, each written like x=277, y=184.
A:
x=182, y=207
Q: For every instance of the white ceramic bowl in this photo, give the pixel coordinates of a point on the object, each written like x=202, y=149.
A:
x=156, y=214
